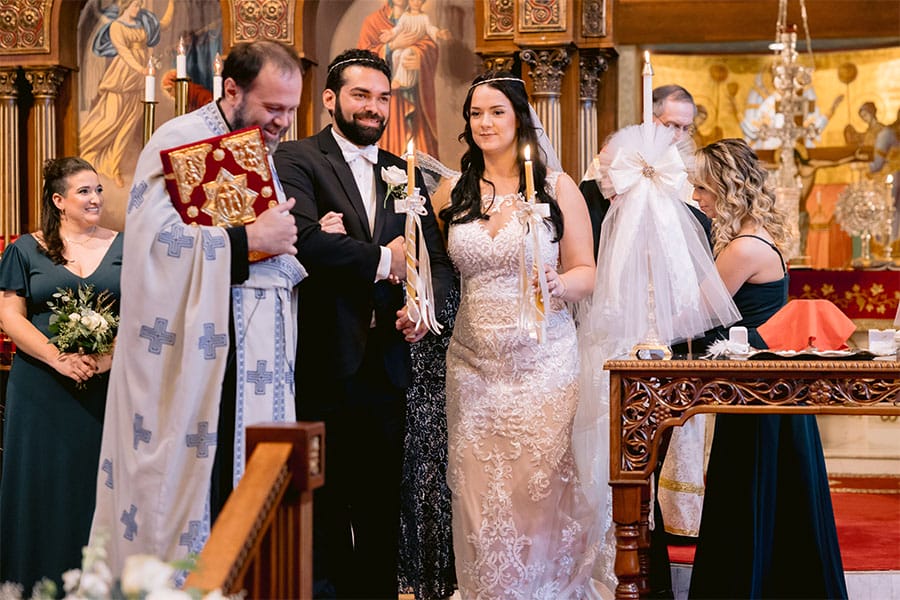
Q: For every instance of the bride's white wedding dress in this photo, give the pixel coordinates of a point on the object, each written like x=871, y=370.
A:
x=522, y=527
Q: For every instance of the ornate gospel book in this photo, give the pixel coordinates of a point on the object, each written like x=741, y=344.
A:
x=224, y=180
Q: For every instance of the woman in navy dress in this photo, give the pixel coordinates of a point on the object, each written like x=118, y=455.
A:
x=767, y=529
x=54, y=400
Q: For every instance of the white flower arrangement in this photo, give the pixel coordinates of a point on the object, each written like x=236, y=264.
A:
x=144, y=577
x=396, y=180
x=83, y=321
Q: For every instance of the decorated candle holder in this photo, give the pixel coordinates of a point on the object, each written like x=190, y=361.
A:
x=149, y=120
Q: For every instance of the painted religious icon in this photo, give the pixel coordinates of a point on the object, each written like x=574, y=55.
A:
x=118, y=39
x=409, y=41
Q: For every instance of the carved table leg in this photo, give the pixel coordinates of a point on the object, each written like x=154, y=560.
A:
x=644, y=541
x=626, y=516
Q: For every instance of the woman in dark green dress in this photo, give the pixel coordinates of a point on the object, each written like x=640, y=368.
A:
x=767, y=529
x=54, y=401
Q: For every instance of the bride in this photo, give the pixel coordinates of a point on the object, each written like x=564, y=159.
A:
x=522, y=525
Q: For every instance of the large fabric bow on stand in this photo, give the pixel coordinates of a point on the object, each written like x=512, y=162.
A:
x=650, y=239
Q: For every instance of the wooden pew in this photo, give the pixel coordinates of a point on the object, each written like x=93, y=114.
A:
x=262, y=540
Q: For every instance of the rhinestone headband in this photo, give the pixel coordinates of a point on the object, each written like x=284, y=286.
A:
x=360, y=60
x=474, y=85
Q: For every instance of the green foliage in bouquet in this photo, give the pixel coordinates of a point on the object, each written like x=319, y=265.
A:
x=83, y=321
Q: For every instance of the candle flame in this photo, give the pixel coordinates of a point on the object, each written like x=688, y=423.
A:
x=410, y=148
x=527, y=152
x=181, y=48
x=151, y=70
x=217, y=65
x=889, y=180
x=646, y=56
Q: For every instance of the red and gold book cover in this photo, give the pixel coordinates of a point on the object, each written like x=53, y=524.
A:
x=224, y=180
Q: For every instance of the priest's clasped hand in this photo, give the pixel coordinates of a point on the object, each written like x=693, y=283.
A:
x=274, y=231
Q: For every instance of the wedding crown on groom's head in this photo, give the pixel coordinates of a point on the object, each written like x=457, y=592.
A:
x=361, y=60
x=493, y=79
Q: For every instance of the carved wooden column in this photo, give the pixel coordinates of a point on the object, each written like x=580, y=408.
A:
x=547, y=69
x=45, y=82
x=9, y=155
x=591, y=68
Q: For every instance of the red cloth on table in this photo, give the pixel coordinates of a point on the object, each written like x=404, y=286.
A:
x=798, y=320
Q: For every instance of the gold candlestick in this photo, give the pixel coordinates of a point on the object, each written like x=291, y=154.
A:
x=181, y=95
x=651, y=347
x=149, y=121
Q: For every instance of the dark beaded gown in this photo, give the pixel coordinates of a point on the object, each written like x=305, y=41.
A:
x=426, y=544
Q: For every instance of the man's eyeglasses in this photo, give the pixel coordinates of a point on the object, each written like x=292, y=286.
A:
x=686, y=129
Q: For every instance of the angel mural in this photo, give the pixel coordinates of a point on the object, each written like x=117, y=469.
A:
x=403, y=34
x=126, y=33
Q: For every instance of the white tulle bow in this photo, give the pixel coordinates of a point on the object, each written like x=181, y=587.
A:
x=419, y=289
x=630, y=170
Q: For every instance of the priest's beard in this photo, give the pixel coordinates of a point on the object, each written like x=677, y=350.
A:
x=361, y=135
x=241, y=120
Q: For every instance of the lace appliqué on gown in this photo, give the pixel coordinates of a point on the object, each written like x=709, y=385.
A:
x=520, y=520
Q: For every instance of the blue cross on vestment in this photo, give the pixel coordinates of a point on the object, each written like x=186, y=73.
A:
x=191, y=537
x=210, y=340
x=211, y=243
x=136, y=197
x=202, y=440
x=130, y=523
x=158, y=335
x=107, y=468
x=140, y=434
x=260, y=378
x=176, y=240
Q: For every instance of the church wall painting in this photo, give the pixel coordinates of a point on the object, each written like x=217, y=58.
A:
x=856, y=94
x=432, y=58
x=732, y=88
x=116, y=38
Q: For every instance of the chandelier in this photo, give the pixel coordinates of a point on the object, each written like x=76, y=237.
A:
x=793, y=121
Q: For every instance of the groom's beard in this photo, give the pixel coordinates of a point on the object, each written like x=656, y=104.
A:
x=361, y=135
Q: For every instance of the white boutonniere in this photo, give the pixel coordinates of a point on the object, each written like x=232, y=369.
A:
x=396, y=180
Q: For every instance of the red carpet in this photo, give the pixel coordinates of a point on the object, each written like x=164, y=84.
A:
x=867, y=514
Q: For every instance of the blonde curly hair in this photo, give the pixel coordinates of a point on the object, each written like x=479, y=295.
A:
x=730, y=169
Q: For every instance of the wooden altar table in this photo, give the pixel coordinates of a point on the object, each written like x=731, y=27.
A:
x=648, y=397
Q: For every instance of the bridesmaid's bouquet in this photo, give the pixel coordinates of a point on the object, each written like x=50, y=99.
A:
x=82, y=321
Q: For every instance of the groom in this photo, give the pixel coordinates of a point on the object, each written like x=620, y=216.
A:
x=353, y=363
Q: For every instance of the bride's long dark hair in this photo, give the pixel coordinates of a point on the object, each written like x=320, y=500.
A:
x=465, y=199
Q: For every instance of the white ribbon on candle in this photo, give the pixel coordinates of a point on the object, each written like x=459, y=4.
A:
x=532, y=303
x=420, y=309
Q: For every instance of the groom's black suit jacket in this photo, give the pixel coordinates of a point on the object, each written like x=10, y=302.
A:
x=339, y=296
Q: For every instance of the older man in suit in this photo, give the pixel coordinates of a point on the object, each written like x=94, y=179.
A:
x=353, y=362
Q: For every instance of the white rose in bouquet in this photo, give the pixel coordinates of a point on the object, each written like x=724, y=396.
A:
x=145, y=573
